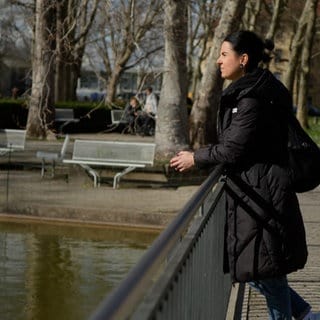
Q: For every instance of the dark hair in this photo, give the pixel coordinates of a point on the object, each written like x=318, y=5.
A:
x=149, y=89
x=248, y=42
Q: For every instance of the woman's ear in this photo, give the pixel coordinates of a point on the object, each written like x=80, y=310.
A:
x=244, y=59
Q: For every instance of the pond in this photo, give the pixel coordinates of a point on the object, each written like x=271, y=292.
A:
x=63, y=272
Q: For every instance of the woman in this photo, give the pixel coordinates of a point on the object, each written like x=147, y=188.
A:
x=267, y=242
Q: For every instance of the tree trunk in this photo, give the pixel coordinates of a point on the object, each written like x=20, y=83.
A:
x=251, y=13
x=112, y=84
x=41, y=107
x=127, y=27
x=278, y=6
x=205, y=107
x=200, y=34
x=74, y=20
x=277, y=10
x=296, y=47
x=302, y=110
x=64, y=60
x=172, y=123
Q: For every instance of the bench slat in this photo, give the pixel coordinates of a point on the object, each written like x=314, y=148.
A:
x=108, y=151
x=64, y=114
x=104, y=163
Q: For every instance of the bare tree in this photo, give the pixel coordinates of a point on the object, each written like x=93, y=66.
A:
x=203, y=16
x=302, y=112
x=74, y=21
x=274, y=9
x=41, y=110
x=126, y=37
x=205, y=107
x=172, y=124
x=251, y=13
x=296, y=47
x=60, y=30
x=251, y=19
x=15, y=40
x=278, y=7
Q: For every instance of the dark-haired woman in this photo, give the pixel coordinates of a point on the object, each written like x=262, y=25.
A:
x=267, y=243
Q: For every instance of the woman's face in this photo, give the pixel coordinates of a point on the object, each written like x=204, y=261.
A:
x=229, y=62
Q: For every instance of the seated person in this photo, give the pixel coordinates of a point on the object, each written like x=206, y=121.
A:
x=131, y=113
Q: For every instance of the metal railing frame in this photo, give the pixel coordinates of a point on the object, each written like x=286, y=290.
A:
x=126, y=300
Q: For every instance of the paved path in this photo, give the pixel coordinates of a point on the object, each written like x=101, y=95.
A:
x=307, y=281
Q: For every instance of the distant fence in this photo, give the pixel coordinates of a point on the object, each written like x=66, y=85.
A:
x=180, y=276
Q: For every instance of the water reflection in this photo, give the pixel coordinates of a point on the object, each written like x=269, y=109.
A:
x=57, y=272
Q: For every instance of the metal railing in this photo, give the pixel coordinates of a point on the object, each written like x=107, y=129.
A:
x=181, y=275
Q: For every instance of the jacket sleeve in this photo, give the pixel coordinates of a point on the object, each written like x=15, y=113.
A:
x=237, y=139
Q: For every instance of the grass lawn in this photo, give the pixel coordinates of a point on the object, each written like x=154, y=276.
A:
x=314, y=130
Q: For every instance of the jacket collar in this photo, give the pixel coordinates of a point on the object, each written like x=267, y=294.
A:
x=247, y=83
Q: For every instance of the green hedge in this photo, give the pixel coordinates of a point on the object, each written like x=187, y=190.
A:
x=93, y=117
x=314, y=130
x=90, y=105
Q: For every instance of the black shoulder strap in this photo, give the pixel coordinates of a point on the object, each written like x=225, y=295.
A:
x=234, y=180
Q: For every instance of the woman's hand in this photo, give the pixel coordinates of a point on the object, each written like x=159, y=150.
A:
x=182, y=161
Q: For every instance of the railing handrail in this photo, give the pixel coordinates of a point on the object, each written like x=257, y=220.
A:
x=132, y=288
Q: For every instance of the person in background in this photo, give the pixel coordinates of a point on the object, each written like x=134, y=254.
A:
x=146, y=120
x=15, y=92
x=261, y=248
x=131, y=113
x=151, y=103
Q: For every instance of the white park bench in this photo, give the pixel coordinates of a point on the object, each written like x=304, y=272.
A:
x=117, y=116
x=11, y=140
x=94, y=153
x=117, y=119
x=64, y=117
x=52, y=157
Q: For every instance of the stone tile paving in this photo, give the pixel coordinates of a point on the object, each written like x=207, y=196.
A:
x=306, y=281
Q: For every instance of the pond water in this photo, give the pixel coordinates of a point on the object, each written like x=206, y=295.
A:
x=62, y=272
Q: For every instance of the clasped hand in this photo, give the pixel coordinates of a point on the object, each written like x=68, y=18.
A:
x=182, y=161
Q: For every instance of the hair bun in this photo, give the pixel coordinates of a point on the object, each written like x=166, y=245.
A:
x=269, y=44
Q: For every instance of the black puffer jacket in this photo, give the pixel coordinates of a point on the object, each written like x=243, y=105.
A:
x=267, y=240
